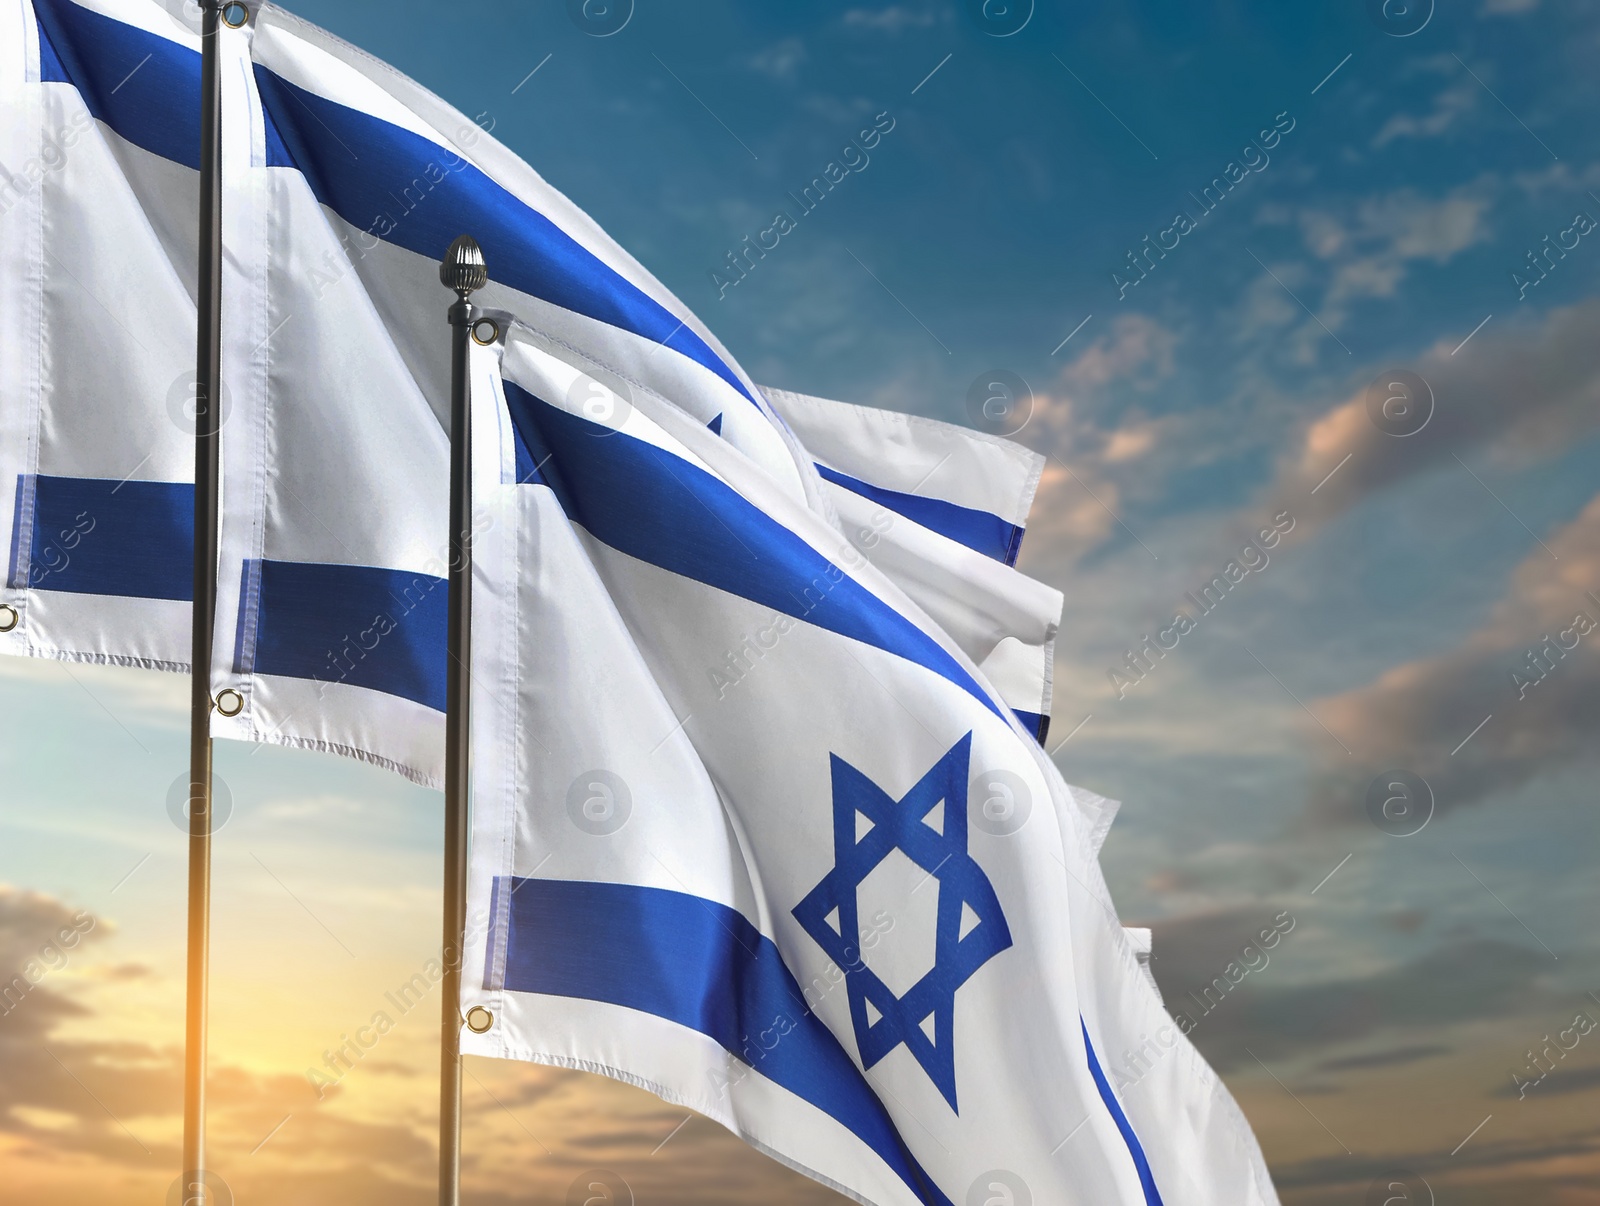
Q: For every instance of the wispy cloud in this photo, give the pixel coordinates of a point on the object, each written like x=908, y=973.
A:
x=1551, y=369
x=892, y=19
x=1483, y=718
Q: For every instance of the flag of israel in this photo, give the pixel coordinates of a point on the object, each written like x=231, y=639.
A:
x=775, y=888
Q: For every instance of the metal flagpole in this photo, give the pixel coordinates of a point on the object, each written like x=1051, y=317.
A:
x=462, y=270
x=208, y=391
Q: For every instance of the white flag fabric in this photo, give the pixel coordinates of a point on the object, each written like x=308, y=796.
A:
x=777, y=890
x=974, y=488
x=941, y=511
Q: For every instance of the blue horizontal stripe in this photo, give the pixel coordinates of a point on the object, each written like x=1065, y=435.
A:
x=704, y=966
x=1147, y=1180
x=143, y=86
x=358, y=624
x=979, y=530
x=409, y=191
x=101, y=536
x=655, y=506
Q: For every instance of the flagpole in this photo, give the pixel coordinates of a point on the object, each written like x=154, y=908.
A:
x=463, y=271
x=208, y=390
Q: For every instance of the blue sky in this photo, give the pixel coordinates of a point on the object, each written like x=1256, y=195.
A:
x=1409, y=179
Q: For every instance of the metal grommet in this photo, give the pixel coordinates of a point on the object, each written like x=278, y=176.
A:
x=229, y=702
x=235, y=15
x=479, y=1019
x=9, y=617
x=485, y=331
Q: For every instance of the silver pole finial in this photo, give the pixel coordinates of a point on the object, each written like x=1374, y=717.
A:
x=463, y=269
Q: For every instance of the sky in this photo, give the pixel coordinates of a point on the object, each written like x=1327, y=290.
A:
x=1322, y=271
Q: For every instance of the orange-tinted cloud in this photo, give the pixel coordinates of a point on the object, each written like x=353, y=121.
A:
x=1521, y=393
x=1541, y=713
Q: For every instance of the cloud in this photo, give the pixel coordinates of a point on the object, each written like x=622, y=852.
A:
x=88, y=1114
x=1390, y=1057
x=1450, y=104
x=1079, y=497
x=1368, y=246
x=1559, y=1083
x=100, y=1087
x=79, y=1095
x=1401, y=225
x=1461, y=982
x=1188, y=952
x=325, y=804
x=1070, y=517
x=1524, y=392
x=1371, y=244
x=1135, y=352
x=895, y=19
x=780, y=61
x=32, y=929
x=152, y=697
x=1418, y=715
x=1387, y=233
x=1571, y=1157
x=1130, y=443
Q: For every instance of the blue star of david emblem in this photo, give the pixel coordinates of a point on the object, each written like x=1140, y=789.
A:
x=964, y=893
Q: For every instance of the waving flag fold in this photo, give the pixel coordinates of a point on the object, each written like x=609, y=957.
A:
x=941, y=511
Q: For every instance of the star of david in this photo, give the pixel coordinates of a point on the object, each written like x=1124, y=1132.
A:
x=971, y=929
